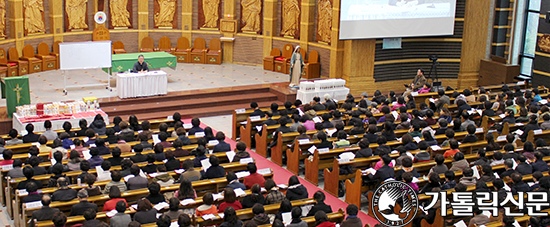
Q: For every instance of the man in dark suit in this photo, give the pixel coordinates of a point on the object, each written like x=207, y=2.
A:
x=33, y=195
x=138, y=157
x=257, y=111
x=64, y=193
x=384, y=172
x=329, y=104
x=519, y=185
x=83, y=205
x=90, y=217
x=442, y=126
x=137, y=181
x=196, y=127
x=283, y=128
x=30, y=137
x=29, y=173
x=222, y=146
x=269, y=120
x=44, y=213
x=317, y=106
x=319, y=198
x=508, y=166
x=523, y=167
x=539, y=164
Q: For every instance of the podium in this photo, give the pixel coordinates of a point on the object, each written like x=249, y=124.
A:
x=16, y=92
x=493, y=72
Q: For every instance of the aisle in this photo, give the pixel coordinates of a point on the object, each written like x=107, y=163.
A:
x=281, y=176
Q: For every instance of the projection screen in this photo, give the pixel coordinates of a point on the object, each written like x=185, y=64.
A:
x=366, y=19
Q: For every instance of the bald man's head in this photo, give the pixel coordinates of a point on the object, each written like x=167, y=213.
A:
x=46, y=199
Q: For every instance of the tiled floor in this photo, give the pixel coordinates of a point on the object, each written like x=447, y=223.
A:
x=48, y=86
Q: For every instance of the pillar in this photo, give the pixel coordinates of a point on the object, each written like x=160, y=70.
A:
x=306, y=23
x=187, y=19
x=270, y=25
x=474, y=44
x=336, y=46
x=229, y=14
x=17, y=31
x=143, y=20
x=358, y=65
x=56, y=19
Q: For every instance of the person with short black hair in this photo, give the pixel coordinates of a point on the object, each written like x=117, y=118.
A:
x=13, y=138
x=17, y=171
x=449, y=181
x=83, y=204
x=30, y=137
x=29, y=173
x=352, y=220
x=384, y=172
x=273, y=196
x=222, y=146
x=140, y=66
x=95, y=160
x=523, y=167
x=214, y=171
x=254, y=197
x=120, y=219
x=63, y=193
x=257, y=111
x=32, y=193
x=233, y=181
x=45, y=212
x=49, y=134
x=459, y=162
x=320, y=205
x=154, y=193
x=260, y=217
x=116, y=177
x=407, y=167
x=196, y=127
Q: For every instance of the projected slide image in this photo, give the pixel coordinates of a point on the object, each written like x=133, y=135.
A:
x=354, y=10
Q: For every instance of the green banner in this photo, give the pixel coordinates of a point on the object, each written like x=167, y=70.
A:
x=16, y=92
x=155, y=60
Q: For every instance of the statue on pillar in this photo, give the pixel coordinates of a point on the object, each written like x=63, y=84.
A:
x=34, y=20
x=2, y=18
x=76, y=13
x=210, y=9
x=324, y=23
x=165, y=15
x=291, y=18
x=251, y=15
x=120, y=17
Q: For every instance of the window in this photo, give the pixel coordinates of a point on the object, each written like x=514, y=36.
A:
x=530, y=37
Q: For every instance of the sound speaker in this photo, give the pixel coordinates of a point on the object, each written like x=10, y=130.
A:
x=548, y=17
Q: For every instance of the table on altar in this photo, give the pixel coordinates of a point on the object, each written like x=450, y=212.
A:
x=337, y=94
x=155, y=60
x=131, y=85
x=19, y=122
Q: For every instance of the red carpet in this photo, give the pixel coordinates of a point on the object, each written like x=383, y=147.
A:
x=281, y=176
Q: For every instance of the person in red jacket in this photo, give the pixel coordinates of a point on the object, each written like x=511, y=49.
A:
x=230, y=200
x=253, y=178
x=115, y=196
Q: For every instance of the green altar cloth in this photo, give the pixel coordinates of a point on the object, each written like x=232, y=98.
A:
x=155, y=60
x=16, y=92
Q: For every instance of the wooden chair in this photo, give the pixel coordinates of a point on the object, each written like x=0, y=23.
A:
x=22, y=65
x=118, y=48
x=55, y=48
x=198, y=52
x=281, y=61
x=269, y=61
x=147, y=45
x=182, y=50
x=312, y=66
x=35, y=64
x=6, y=69
x=165, y=45
x=49, y=59
x=214, y=54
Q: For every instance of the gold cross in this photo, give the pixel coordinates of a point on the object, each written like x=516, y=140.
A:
x=18, y=90
x=169, y=63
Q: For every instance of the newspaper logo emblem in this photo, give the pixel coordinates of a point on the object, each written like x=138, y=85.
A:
x=394, y=204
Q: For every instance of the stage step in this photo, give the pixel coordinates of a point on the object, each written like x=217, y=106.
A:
x=183, y=95
x=184, y=104
x=198, y=111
